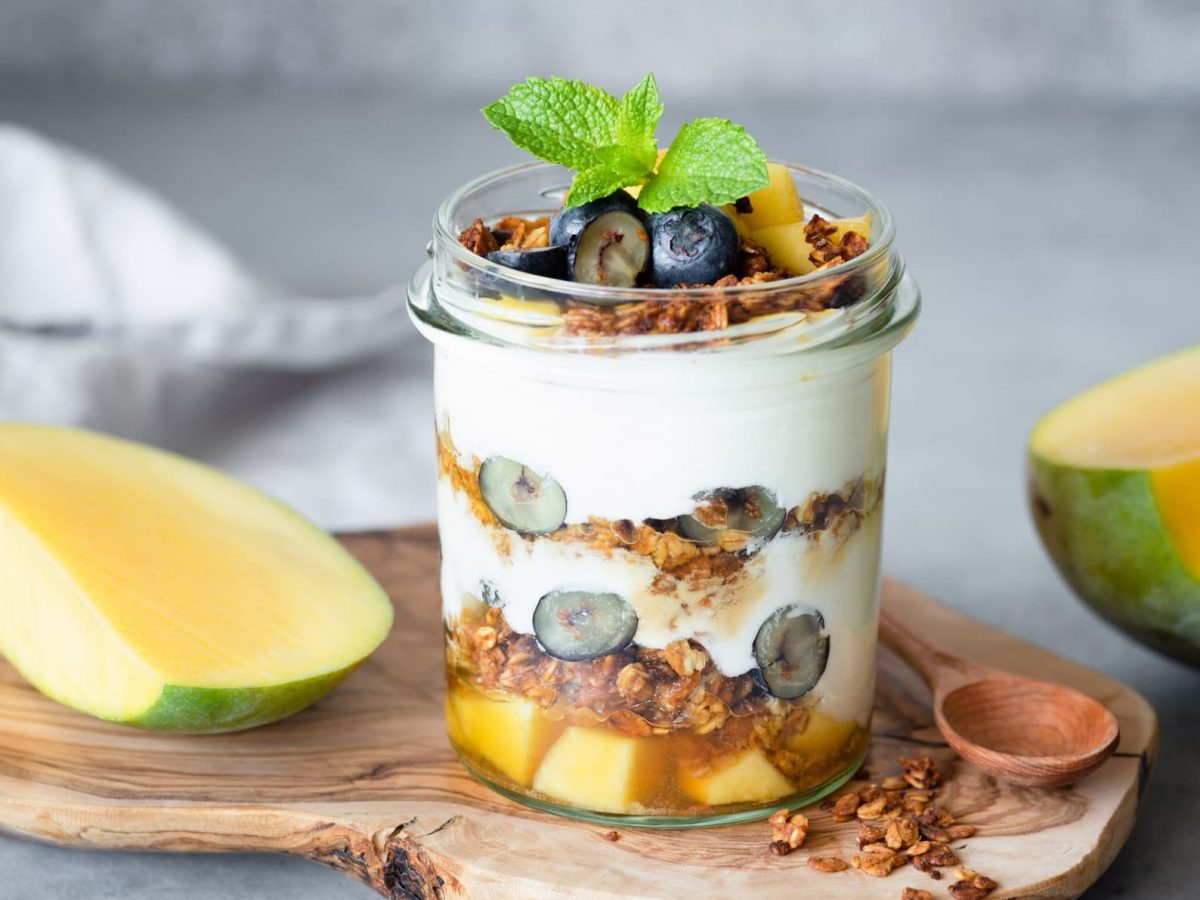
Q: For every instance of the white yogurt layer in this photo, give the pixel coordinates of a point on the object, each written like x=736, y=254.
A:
x=636, y=438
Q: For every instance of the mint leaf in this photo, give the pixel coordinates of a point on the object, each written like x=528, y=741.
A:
x=560, y=121
x=641, y=109
x=593, y=183
x=710, y=161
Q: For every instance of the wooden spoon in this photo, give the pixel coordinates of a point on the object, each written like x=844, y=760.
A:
x=1025, y=731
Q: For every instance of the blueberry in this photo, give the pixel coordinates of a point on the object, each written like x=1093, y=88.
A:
x=753, y=511
x=791, y=651
x=522, y=499
x=613, y=249
x=691, y=246
x=566, y=224
x=550, y=262
x=579, y=625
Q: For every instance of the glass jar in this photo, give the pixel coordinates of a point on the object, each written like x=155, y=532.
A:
x=660, y=551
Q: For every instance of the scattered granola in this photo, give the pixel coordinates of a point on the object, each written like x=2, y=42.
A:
x=899, y=823
x=788, y=831
x=828, y=863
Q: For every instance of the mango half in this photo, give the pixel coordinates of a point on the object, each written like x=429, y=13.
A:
x=146, y=589
x=1114, y=483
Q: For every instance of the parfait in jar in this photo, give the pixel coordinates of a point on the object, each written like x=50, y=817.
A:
x=661, y=417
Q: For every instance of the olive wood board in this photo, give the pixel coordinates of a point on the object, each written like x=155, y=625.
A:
x=365, y=781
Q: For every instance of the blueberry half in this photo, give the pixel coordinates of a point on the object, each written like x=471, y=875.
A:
x=753, y=510
x=567, y=223
x=550, y=262
x=522, y=499
x=791, y=650
x=613, y=249
x=579, y=625
x=691, y=246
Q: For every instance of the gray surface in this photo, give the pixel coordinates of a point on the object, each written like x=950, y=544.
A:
x=334, y=193
x=1102, y=49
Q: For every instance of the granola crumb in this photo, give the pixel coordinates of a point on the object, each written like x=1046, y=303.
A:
x=478, y=238
x=911, y=893
x=975, y=887
x=787, y=829
x=611, y=836
x=828, y=863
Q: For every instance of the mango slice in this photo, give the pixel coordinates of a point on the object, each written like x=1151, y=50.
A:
x=777, y=204
x=748, y=778
x=511, y=735
x=787, y=246
x=1114, y=482
x=596, y=769
x=143, y=588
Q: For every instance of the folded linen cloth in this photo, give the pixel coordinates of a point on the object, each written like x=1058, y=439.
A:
x=119, y=315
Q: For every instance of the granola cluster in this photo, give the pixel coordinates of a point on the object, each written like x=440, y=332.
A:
x=899, y=823
x=638, y=691
x=835, y=514
x=685, y=315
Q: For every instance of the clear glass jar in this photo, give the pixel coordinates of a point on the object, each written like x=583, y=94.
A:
x=660, y=552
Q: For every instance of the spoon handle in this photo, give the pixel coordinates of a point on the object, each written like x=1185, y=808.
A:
x=937, y=668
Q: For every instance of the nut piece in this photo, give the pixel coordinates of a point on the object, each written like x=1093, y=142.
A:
x=828, y=863
x=788, y=831
x=975, y=887
x=915, y=894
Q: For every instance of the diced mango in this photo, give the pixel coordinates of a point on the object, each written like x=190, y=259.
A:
x=861, y=225
x=599, y=770
x=776, y=204
x=738, y=222
x=511, y=735
x=748, y=778
x=823, y=737
x=786, y=246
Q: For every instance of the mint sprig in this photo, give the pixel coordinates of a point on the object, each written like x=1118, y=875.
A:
x=611, y=144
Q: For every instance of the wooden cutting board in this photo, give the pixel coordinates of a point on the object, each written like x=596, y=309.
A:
x=365, y=782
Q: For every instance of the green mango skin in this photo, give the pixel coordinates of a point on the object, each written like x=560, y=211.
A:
x=1103, y=530
x=192, y=710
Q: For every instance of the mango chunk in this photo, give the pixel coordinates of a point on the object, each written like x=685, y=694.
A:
x=823, y=737
x=860, y=224
x=143, y=588
x=511, y=735
x=787, y=246
x=596, y=769
x=776, y=204
x=748, y=778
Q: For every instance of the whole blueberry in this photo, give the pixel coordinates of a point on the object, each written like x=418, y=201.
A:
x=691, y=245
x=567, y=223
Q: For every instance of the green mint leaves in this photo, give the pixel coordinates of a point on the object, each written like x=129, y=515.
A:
x=610, y=144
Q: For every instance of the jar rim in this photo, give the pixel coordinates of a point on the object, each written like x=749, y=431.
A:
x=446, y=233
x=463, y=294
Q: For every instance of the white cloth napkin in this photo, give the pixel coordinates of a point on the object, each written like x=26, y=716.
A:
x=119, y=315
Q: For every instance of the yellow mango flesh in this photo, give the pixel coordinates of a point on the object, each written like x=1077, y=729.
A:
x=823, y=737
x=1147, y=419
x=599, y=770
x=511, y=735
x=777, y=204
x=786, y=246
x=750, y=778
x=860, y=225
x=130, y=577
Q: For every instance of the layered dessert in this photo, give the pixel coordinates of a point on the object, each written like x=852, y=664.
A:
x=660, y=563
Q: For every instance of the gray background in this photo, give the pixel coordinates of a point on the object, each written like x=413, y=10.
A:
x=1040, y=159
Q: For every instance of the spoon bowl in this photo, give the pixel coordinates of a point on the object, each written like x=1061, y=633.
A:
x=1028, y=732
